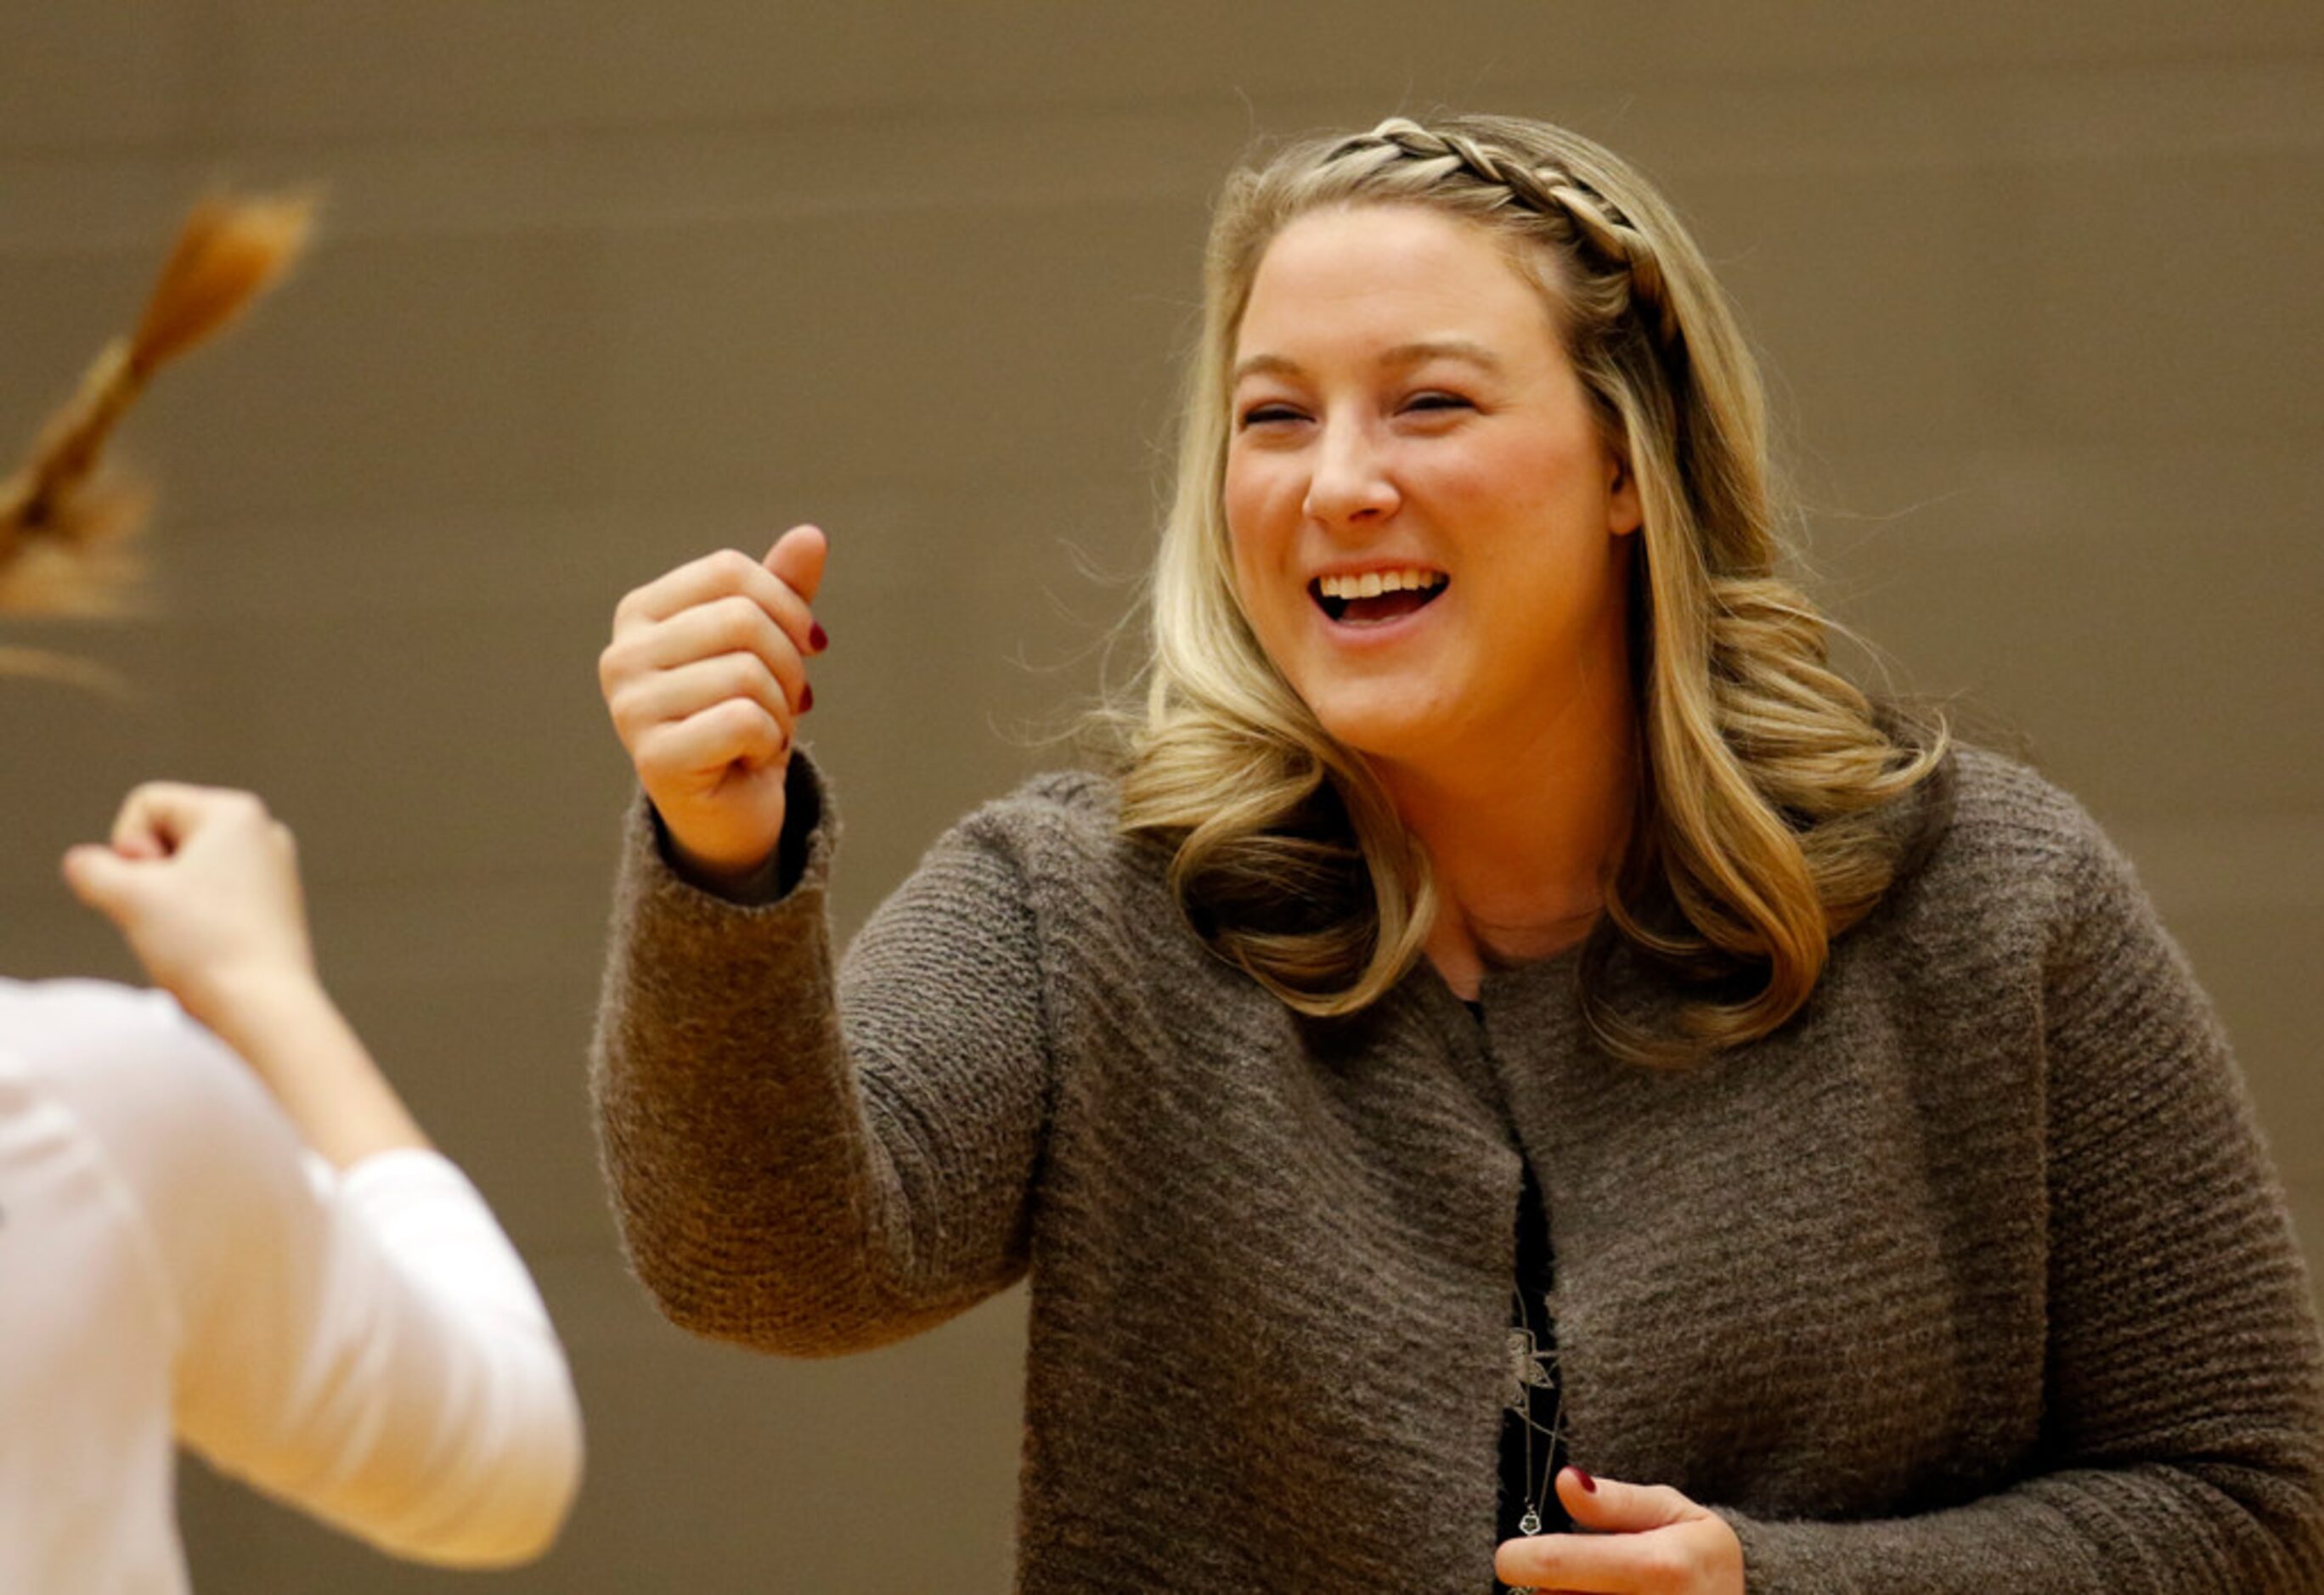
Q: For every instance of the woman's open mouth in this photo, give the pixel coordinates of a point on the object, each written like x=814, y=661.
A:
x=1376, y=597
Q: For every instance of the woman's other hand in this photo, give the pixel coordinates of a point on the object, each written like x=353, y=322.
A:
x=1640, y=1539
x=706, y=679
x=204, y=884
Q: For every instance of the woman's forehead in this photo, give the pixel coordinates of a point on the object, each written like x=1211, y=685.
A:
x=1391, y=282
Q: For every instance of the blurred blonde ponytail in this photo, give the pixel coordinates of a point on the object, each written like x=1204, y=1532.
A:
x=66, y=532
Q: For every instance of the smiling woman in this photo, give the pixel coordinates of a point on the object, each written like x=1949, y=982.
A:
x=1524, y=336
x=1405, y=401
x=1512, y=1014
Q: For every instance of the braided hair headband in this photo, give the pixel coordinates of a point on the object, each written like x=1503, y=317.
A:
x=1599, y=225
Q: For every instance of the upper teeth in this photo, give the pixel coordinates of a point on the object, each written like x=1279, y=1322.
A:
x=1373, y=583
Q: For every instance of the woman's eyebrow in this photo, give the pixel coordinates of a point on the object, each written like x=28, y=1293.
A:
x=1416, y=353
x=1442, y=349
x=1265, y=366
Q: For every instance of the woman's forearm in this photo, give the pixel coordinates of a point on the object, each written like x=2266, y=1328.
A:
x=294, y=1037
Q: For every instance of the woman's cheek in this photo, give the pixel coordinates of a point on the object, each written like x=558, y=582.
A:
x=1250, y=527
x=1239, y=497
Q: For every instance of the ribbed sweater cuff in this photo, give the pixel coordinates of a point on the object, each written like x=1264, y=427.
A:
x=802, y=857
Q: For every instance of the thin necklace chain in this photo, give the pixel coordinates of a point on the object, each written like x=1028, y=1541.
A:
x=1530, y=1368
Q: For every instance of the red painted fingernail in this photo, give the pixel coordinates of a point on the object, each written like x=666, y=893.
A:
x=807, y=698
x=1589, y=1485
x=817, y=638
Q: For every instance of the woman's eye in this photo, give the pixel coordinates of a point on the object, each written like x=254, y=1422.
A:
x=1260, y=415
x=1438, y=401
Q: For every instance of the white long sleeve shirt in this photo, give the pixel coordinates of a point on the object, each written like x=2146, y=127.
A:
x=176, y=1267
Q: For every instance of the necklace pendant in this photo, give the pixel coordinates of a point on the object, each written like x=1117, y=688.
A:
x=1530, y=1523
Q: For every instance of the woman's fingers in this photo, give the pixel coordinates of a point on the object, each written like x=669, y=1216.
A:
x=731, y=733
x=1612, y=1507
x=730, y=573
x=686, y=690
x=204, y=883
x=706, y=677
x=158, y=817
x=732, y=624
x=1652, y=1563
x=202, y=829
x=1647, y=1540
x=762, y=688
x=721, y=625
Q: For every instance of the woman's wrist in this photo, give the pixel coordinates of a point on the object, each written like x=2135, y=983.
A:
x=751, y=884
x=244, y=1004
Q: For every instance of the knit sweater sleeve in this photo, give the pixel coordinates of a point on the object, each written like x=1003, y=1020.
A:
x=2183, y=1431
x=812, y=1160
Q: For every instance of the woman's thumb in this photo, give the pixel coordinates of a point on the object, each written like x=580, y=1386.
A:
x=798, y=558
x=101, y=878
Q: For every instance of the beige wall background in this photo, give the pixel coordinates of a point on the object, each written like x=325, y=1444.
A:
x=604, y=286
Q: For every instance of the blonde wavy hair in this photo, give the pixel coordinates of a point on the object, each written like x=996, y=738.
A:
x=1769, y=812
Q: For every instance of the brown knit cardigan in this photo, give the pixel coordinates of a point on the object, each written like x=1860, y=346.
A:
x=1975, y=1277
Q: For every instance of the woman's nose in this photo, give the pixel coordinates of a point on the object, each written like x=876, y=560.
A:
x=1351, y=486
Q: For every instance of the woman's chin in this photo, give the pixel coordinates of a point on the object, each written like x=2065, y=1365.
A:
x=1394, y=731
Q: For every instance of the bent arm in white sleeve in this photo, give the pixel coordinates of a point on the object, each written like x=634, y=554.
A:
x=365, y=1344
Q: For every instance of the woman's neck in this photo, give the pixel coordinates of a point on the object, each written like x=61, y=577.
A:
x=1522, y=836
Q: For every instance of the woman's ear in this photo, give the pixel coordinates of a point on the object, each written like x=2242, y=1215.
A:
x=1623, y=513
